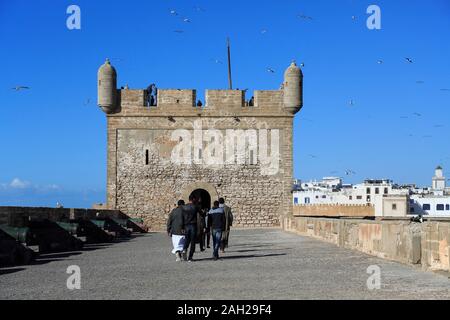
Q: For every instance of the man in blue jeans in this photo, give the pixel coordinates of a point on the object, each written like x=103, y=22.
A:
x=190, y=212
x=216, y=221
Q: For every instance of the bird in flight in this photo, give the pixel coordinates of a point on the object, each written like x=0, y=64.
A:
x=263, y=31
x=173, y=12
x=19, y=88
x=304, y=17
x=302, y=64
x=313, y=156
x=217, y=61
x=420, y=82
x=199, y=9
x=351, y=103
x=270, y=70
x=380, y=61
x=349, y=172
x=178, y=31
x=187, y=20
x=88, y=101
x=417, y=114
x=409, y=60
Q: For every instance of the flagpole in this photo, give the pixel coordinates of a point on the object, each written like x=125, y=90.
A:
x=230, y=81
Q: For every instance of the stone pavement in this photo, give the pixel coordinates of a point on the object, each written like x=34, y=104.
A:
x=261, y=264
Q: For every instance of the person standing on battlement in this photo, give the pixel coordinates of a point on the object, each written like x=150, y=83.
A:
x=175, y=229
x=190, y=211
x=228, y=224
x=152, y=95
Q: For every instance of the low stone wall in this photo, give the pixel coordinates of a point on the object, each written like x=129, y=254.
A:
x=17, y=216
x=329, y=210
x=398, y=240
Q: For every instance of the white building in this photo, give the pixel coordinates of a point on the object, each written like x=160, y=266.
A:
x=429, y=205
x=387, y=198
x=434, y=202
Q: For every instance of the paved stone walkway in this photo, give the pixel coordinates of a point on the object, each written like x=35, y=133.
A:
x=261, y=264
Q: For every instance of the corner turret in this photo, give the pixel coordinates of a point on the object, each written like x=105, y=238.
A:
x=107, y=88
x=293, y=88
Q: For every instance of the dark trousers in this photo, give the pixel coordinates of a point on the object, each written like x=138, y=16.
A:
x=217, y=237
x=191, y=234
x=208, y=237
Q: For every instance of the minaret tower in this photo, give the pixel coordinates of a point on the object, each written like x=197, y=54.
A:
x=438, y=179
x=107, y=88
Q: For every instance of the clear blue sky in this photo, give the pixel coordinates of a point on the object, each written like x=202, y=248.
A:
x=53, y=145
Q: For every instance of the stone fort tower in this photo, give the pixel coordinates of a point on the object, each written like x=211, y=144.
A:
x=229, y=148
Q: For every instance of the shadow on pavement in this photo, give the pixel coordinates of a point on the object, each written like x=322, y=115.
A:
x=256, y=250
x=9, y=271
x=245, y=257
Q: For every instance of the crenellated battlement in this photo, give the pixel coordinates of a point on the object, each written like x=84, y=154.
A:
x=153, y=102
x=185, y=100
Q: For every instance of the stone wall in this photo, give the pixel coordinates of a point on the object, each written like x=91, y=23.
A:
x=331, y=210
x=17, y=216
x=398, y=240
x=149, y=190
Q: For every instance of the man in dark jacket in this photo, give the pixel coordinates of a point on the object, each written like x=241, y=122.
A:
x=216, y=220
x=228, y=224
x=175, y=229
x=190, y=212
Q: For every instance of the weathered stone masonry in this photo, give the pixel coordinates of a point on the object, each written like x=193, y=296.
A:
x=144, y=181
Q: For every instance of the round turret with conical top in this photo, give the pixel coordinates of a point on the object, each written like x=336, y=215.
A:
x=293, y=88
x=107, y=87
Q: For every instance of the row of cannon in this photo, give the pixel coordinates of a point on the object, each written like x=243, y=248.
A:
x=29, y=235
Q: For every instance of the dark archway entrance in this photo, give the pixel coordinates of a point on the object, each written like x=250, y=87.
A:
x=203, y=197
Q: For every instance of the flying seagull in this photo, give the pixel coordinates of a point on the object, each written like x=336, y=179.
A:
x=173, y=12
x=302, y=64
x=380, y=61
x=198, y=8
x=313, y=156
x=270, y=70
x=19, y=88
x=349, y=172
x=417, y=114
x=305, y=17
x=263, y=31
x=187, y=20
x=409, y=60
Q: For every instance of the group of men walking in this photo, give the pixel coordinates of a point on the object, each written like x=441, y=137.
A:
x=189, y=224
